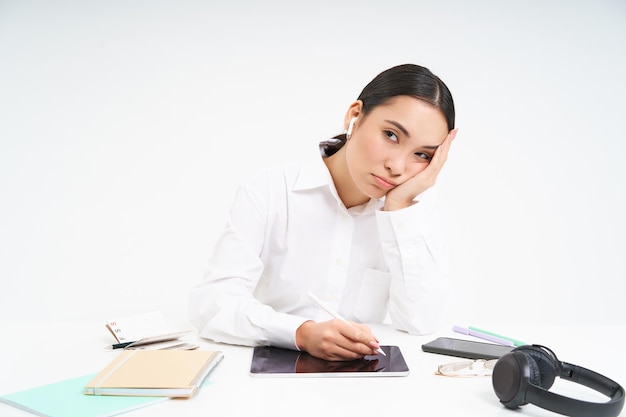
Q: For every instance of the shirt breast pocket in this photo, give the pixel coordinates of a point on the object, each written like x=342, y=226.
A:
x=373, y=296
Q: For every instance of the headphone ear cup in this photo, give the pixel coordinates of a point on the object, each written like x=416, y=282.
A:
x=533, y=368
x=517, y=369
x=508, y=379
x=543, y=367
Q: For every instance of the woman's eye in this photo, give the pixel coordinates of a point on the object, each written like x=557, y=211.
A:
x=391, y=136
x=423, y=156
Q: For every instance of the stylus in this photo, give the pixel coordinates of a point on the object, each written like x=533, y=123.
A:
x=491, y=338
x=336, y=315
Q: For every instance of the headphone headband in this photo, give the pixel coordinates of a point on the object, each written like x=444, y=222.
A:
x=543, y=398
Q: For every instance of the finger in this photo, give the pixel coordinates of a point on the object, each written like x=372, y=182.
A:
x=367, y=335
x=452, y=134
x=444, y=148
x=441, y=154
x=344, y=348
x=357, y=332
x=358, y=338
x=341, y=353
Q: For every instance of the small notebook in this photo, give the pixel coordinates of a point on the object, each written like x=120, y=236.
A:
x=170, y=373
x=147, y=331
x=66, y=399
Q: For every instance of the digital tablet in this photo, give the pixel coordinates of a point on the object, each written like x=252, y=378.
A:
x=268, y=361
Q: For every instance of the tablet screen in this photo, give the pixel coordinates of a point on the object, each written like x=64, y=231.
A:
x=273, y=361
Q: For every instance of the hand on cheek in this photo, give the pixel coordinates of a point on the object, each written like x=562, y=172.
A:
x=404, y=194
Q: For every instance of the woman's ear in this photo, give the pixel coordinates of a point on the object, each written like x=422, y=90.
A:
x=355, y=110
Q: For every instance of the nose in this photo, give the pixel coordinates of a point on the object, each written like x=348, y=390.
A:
x=395, y=164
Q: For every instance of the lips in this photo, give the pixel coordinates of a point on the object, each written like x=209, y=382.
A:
x=384, y=183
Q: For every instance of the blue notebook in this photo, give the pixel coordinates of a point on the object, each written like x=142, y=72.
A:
x=66, y=399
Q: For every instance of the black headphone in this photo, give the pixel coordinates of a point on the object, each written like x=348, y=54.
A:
x=525, y=375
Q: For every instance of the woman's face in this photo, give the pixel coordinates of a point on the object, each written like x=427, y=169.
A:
x=393, y=143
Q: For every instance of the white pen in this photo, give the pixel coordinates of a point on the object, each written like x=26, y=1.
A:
x=336, y=315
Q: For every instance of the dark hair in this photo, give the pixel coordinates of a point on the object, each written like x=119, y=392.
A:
x=402, y=80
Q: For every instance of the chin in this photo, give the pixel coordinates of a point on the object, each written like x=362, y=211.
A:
x=371, y=191
x=377, y=193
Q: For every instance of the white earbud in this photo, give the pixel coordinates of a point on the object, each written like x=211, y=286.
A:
x=350, y=126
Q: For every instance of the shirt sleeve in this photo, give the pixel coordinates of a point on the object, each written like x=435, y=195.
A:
x=420, y=293
x=222, y=305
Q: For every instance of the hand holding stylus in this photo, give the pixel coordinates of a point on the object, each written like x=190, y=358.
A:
x=337, y=339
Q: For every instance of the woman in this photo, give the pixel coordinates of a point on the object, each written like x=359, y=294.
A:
x=356, y=227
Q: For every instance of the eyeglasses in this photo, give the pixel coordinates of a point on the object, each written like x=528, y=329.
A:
x=478, y=367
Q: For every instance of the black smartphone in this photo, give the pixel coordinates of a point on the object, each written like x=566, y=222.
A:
x=466, y=348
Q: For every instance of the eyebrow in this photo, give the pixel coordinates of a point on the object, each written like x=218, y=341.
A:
x=399, y=126
x=406, y=132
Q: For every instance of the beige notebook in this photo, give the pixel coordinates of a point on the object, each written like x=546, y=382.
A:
x=162, y=373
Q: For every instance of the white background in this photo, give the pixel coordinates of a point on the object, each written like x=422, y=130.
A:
x=126, y=126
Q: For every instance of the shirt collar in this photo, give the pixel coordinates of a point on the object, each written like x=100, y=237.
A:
x=313, y=174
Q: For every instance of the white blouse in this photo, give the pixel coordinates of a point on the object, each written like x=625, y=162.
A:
x=288, y=233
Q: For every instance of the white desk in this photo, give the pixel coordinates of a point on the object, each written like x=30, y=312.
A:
x=36, y=353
